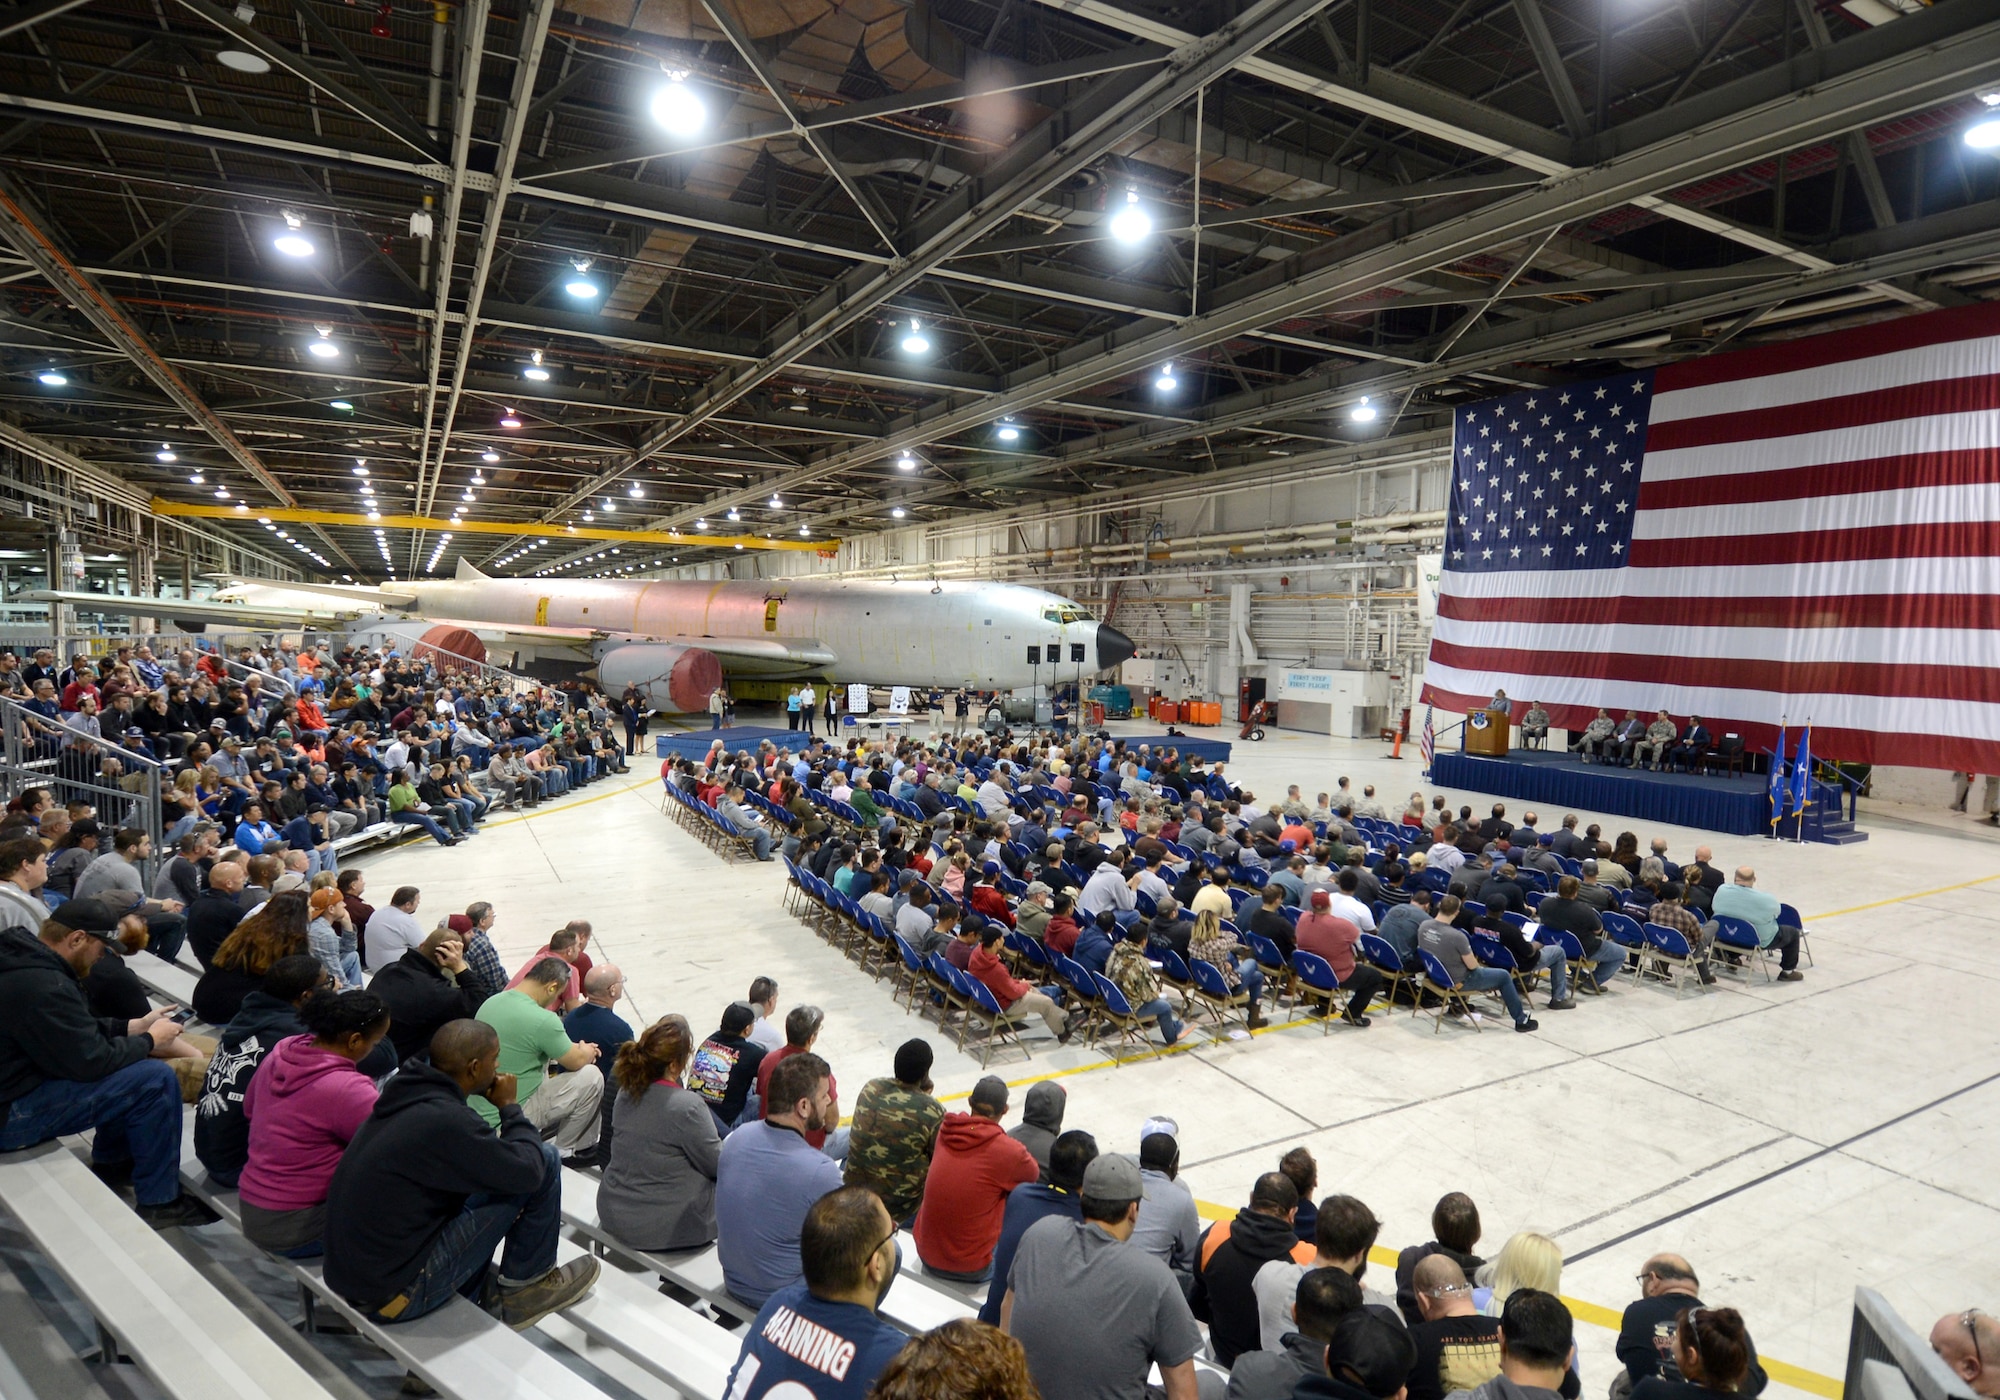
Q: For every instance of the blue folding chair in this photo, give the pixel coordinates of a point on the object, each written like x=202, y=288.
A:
x=1438, y=983
x=1317, y=986
x=1116, y=1012
x=1740, y=938
x=1671, y=958
x=1212, y=992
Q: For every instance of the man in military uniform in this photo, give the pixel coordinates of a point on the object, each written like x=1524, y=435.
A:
x=1596, y=736
x=1535, y=726
x=892, y=1132
x=1661, y=734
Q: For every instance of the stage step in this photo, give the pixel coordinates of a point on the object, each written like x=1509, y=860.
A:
x=1840, y=833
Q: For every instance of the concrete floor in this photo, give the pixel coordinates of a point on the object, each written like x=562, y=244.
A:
x=1792, y=1141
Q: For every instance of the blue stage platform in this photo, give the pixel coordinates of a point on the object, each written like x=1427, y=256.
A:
x=1740, y=806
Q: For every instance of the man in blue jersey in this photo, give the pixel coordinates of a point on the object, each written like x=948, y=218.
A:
x=822, y=1337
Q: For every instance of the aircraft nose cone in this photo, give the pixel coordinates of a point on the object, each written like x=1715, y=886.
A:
x=1113, y=647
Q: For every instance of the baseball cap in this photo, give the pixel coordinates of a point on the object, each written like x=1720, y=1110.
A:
x=135, y=732
x=990, y=1093
x=1111, y=1176
x=1035, y=887
x=1322, y=900
x=1371, y=1352
x=459, y=923
x=93, y=915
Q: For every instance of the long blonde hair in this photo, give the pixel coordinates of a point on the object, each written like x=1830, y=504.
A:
x=1527, y=1260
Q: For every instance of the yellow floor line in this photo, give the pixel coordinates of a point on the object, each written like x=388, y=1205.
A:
x=1906, y=898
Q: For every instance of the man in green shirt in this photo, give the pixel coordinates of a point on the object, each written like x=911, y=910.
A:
x=563, y=1106
x=409, y=809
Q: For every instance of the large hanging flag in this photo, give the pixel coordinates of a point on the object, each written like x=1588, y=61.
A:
x=1778, y=777
x=1815, y=521
x=1802, y=771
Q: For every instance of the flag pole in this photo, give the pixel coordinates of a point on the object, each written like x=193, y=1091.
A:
x=1805, y=789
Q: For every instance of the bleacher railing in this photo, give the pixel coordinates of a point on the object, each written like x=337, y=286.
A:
x=1888, y=1360
x=45, y=753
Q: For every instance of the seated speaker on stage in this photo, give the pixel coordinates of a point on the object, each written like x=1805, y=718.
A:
x=1693, y=746
x=1534, y=729
x=1596, y=737
x=1661, y=735
x=1627, y=736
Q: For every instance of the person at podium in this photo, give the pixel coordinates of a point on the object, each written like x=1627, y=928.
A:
x=1534, y=727
x=1500, y=704
x=1661, y=735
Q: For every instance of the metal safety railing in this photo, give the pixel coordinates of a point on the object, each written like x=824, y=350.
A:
x=123, y=785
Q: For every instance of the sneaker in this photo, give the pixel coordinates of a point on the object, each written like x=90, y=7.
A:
x=1362, y=1021
x=521, y=1308
x=1793, y=976
x=1531, y=1024
x=183, y=1210
x=1566, y=1004
x=585, y=1160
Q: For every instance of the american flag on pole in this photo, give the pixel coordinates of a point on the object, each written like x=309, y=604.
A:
x=1427, y=743
x=1811, y=528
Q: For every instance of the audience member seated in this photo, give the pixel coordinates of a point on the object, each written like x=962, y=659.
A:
x=426, y=989
x=1712, y=1354
x=427, y=1191
x=1964, y=1341
x=595, y=1022
x=393, y=929
x=563, y=1107
x=1129, y=968
x=267, y=1016
x=1041, y=1121
x=1566, y=911
x=63, y=1070
x=1344, y=1231
x=1537, y=1348
x=278, y=930
x=1233, y=1251
x=119, y=870
x=1069, y=1157
x=1668, y=1289
x=724, y=1069
x=1742, y=899
x=768, y=1177
x=1367, y=1358
x=1320, y=1298
x=892, y=1133
x=802, y=1027
x=1169, y=1226
x=973, y=1168
x=1453, y=950
x=658, y=1191
x=1093, y=1314
x=1457, y=1347
x=820, y=1336
x=217, y=911
x=305, y=1103
x=1454, y=1232
x=1328, y=935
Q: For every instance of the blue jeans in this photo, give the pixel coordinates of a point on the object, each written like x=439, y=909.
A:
x=458, y=1262
x=137, y=1115
x=1607, y=962
x=1252, y=977
x=165, y=933
x=350, y=969
x=409, y=818
x=1552, y=960
x=715, y=721
x=1163, y=1017
x=1487, y=979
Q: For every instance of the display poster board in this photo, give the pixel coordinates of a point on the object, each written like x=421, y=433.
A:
x=857, y=699
x=899, y=700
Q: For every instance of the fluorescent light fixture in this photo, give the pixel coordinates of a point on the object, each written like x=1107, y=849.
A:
x=54, y=378
x=1131, y=224
x=676, y=107
x=293, y=242
x=1363, y=412
x=915, y=342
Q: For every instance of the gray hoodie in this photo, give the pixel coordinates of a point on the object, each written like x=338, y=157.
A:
x=1041, y=1122
x=1500, y=1388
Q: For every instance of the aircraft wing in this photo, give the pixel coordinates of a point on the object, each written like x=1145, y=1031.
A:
x=524, y=634
x=248, y=615
x=750, y=655
x=351, y=592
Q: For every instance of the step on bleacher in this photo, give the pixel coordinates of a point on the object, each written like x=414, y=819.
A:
x=189, y=1339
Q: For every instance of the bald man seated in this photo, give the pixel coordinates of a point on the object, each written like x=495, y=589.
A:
x=1667, y=1288
x=1969, y=1343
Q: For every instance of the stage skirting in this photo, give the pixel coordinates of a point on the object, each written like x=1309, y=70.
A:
x=1739, y=806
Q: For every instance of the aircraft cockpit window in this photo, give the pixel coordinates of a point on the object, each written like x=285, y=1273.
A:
x=1066, y=615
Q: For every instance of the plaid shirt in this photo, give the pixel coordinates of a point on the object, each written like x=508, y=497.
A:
x=484, y=963
x=1671, y=914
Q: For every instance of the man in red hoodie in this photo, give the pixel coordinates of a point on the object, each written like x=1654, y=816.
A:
x=988, y=898
x=1062, y=931
x=973, y=1167
x=1013, y=994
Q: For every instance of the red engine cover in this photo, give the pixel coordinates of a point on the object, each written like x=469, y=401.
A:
x=449, y=644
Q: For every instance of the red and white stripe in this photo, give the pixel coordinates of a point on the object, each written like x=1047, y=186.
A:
x=1818, y=534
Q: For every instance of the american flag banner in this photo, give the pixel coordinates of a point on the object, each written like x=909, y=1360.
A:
x=1427, y=744
x=1811, y=528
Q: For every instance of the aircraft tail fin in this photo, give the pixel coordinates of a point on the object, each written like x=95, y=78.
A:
x=465, y=570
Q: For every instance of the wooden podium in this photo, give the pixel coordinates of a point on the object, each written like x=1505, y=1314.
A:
x=1487, y=733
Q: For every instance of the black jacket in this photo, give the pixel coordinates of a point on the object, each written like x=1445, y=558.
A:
x=221, y=992
x=221, y=1131
x=48, y=1031
x=421, y=999
x=211, y=919
x=1225, y=1280
x=406, y=1175
x=114, y=991
x=1406, y=1268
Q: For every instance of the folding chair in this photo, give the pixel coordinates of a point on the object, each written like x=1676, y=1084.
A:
x=1276, y=970
x=1212, y=994
x=944, y=993
x=1438, y=983
x=1174, y=975
x=1491, y=952
x=1002, y=1027
x=1080, y=982
x=1382, y=956
x=907, y=973
x=1624, y=930
x=1739, y=937
x=1116, y=1012
x=1572, y=947
x=1317, y=986
x=1671, y=958
x=1789, y=917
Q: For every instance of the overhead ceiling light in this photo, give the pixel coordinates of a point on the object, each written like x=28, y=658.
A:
x=54, y=378
x=166, y=454
x=701, y=524
x=805, y=530
x=293, y=242
x=899, y=512
x=588, y=517
x=242, y=509
x=1984, y=134
x=676, y=107
x=1008, y=431
x=479, y=478
x=263, y=520
x=342, y=405
x=324, y=348
x=197, y=479
x=636, y=491
x=243, y=61
x=366, y=489
x=580, y=286
x=735, y=515
x=489, y=456
x=468, y=494
x=906, y=462
x=221, y=493
x=510, y=419
x=361, y=466
x=915, y=342
x=1166, y=383
x=1363, y=412
x=1131, y=224
x=610, y=506
x=535, y=371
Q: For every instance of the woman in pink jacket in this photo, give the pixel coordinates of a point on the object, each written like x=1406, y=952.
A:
x=305, y=1104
